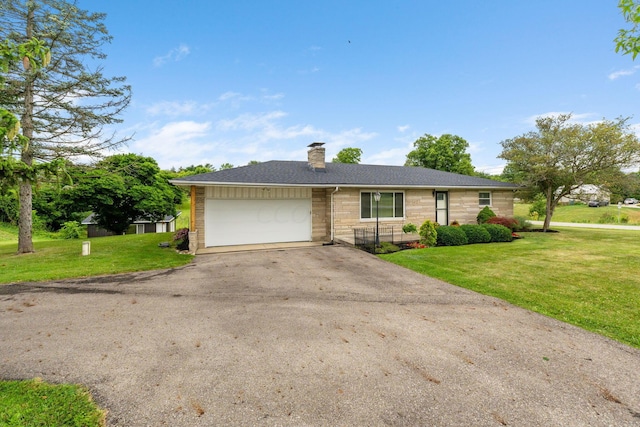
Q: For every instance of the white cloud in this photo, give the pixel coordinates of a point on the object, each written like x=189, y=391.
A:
x=394, y=156
x=491, y=169
x=621, y=73
x=403, y=129
x=250, y=121
x=174, y=55
x=174, y=108
x=174, y=143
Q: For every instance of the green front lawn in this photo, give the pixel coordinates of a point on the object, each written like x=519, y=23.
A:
x=585, y=214
x=34, y=403
x=586, y=277
x=62, y=259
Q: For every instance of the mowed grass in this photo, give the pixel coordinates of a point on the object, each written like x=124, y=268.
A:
x=585, y=214
x=587, y=277
x=62, y=259
x=35, y=403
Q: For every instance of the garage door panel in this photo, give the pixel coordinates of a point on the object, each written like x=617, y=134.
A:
x=238, y=222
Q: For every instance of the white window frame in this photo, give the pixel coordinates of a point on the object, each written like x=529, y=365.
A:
x=480, y=198
x=373, y=202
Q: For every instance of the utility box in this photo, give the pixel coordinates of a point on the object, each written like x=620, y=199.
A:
x=86, y=248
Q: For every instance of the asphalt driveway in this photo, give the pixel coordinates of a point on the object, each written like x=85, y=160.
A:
x=313, y=336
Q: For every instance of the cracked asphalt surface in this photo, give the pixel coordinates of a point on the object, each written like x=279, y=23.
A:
x=316, y=336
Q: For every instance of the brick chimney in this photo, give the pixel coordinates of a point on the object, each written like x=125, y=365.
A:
x=316, y=156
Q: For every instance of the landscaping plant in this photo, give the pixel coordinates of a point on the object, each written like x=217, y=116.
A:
x=409, y=228
x=476, y=233
x=449, y=235
x=484, y=215
x=510, y=223
x=428, y=233
x=499, y=233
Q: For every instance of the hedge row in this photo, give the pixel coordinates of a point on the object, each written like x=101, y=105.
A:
x=472, y=233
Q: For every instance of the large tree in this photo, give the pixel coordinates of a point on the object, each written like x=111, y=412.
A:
x=65, y=108
x=446, y=153
x=562, y=155
x=125, y=187
x=348, y=155
x=628, y=40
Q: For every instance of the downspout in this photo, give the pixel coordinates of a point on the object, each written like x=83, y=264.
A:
x=332, y=214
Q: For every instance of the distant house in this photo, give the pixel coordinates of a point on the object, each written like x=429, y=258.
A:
x=139, y=226
x=586, y=193
x=297, y=201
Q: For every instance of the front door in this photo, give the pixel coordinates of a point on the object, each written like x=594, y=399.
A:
x=442, y=207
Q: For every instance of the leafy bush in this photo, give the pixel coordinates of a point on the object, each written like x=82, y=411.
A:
x=428, y=234
x=510, y=223
x=451, y=236
x=455, y=223
x=37, y=224
x=476, y=233
x=409, y=228
x=387, y=248
x=70, y=230
x=484, y=215
x=499, y=233
x=182, y=239
x=523, y=224
x=538, y=208
x=9, y=207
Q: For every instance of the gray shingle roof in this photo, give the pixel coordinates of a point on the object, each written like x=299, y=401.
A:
x=298, y=173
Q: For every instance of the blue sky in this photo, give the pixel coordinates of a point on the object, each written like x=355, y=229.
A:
x=233, y=81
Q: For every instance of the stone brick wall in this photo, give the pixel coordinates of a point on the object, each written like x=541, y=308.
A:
x=199, y=210
x=464, y=205
x=320, y=214
x=419, y=206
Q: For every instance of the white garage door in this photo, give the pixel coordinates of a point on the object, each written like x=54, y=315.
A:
x=242, y=222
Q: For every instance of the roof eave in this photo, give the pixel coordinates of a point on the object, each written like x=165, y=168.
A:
x=333, y=185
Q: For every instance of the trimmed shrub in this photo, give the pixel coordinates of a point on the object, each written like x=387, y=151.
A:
x=510, y=223
x=499, y=233
x=428, y=233
x=476, y=233
x=484, y=215
x=451, y=236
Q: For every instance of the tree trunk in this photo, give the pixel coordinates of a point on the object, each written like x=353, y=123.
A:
x=25, y=220
x=549, y=211
x=25, y=241
x=551, y=206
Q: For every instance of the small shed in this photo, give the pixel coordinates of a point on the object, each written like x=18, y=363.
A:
x=139, y=226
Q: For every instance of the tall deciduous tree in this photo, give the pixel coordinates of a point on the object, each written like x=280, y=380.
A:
x=446, y=153
x=628, y=40
x=561, y=156
x=348, y=155
x=64, y=109
x=123, y=188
